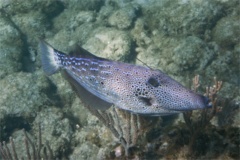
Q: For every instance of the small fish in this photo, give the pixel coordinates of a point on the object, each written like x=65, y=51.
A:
x=102, y=83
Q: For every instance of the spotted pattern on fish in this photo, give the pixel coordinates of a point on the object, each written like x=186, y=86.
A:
x=138, y=89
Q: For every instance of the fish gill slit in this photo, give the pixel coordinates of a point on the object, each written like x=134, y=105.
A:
x=146, y=100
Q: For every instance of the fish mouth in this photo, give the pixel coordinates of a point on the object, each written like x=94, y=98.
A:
x=209, y=105
x=207, y=102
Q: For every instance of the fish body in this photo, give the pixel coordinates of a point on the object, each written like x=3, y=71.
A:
x=102, y=83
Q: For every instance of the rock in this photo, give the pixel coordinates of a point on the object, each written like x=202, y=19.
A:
x=122, y=18
x=56, y=129
x=80, y=18
x=182, y=17
x=226, y=32
x=109, y=43
x=94, y=5
x=80, y=112
x=10, y=55
x=85, y=151
x=22, y=94
x=91, y=138
x=191, y=54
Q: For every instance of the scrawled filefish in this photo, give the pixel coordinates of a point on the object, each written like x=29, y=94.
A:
x=102, y=83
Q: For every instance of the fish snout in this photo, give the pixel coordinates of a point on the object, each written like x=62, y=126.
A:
x=206, y=102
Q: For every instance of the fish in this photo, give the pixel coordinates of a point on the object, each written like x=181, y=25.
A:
x=103, y=83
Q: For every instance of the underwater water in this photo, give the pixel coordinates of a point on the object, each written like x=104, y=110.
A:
x=182, y=38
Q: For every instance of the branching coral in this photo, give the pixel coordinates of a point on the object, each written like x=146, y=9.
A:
x=5, y=152
x=123, y=125
x=32, y=151
x=197, y=125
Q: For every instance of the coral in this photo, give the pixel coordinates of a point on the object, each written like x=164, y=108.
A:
x=86, y=151
x=9, y=60
x=172, y=55
x=123, y=126
x=80, y=18
x=22, y=94
x=91, y=137
x=186, y=57
x=109, y=43
x=183, y=17
x=122, y=18
x=31, y=150
x=197, y=125
x=10, y=56
x=226, y=31
x=84, y=5
x=8, y=32
x=31, y=22
x=230, y=113
x=198, y=137
x=55, y=129
x=126, y=127
x=30, y=19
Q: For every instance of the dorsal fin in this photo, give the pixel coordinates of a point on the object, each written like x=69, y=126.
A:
x=143, y=63
x=81, y=52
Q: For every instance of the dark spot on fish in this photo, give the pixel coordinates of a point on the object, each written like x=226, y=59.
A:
x=102, y=83
x=146, y=100
x=153, y=81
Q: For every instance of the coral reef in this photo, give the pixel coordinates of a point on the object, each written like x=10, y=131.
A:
x=182, y=38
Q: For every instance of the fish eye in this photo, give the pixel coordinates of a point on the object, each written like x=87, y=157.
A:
x=153, y=81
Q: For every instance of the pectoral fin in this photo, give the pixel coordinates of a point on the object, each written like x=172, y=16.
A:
x=86, y=97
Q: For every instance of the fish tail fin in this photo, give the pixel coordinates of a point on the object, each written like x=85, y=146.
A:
x=51, y=62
